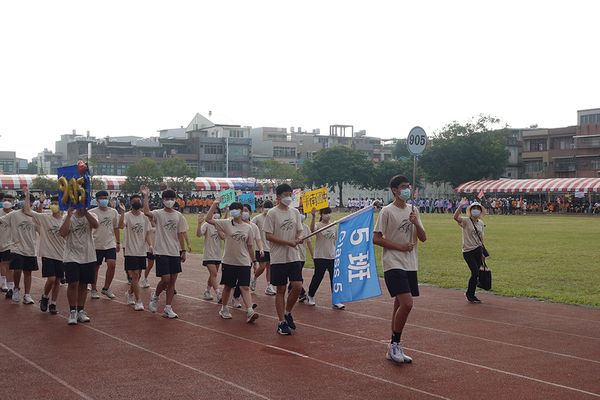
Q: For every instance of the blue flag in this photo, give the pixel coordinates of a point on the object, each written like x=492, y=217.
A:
x=354, y=270
x=247, y=198
x=73, y=188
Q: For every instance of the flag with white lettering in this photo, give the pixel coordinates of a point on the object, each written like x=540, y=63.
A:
x=354, y=269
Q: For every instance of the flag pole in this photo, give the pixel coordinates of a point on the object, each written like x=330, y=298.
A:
x=339, y=221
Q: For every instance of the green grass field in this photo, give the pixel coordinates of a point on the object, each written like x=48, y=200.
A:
x=546, y=257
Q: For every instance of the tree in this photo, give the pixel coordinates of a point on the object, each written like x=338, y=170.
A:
x=335, y=166
x=97, y=184
x=279, y=172
x=400, y=150
x=460, y=153
x=386, y=170
x=32, y=168
x=178, y=175
x=144, y=172
x=45, y=185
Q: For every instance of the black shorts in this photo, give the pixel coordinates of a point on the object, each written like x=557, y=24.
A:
x=51, y=267
x=233, y=275
x=280, y=273
x=5, y=256
x=399, y=281
x=167, y=265
x=133, y=263
x=101, y=255
x=266, y=258
x=24, y=263
x=150, y=256
x=211, y=262
x=82, y=273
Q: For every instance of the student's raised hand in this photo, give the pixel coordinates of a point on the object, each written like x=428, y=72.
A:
x=42, y=197
x=26, y=191
x=463, y=201
x=122, y=207
x=313, y=211
x=200, y=218
x=218, y=199
x=145, y=190
x=70, y=211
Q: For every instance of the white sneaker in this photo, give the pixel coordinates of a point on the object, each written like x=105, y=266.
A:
x=153, y=302
x=235, y=302
x=270, y=291
x=145, y=283
x=82, y=316
x=253, y=284
x=396, y=354
x=73, y=317
x=27, y=299
x=339, y=306
x=129, y=298
x=16, y=295
x=252, y=316
x=220, y=298
x=95, y=294
x=108, y=293
x=139, y=305
x=3, y=287
x=207, y=295
x=224, y=313
x=169, y=313
x=311, y=300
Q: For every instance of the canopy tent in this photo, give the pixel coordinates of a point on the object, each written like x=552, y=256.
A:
x=531, y=185
x=16, y=182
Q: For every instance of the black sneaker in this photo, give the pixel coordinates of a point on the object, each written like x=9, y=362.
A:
x=53, y=309
x=472, y=299
x=63, y=281
x=44, y=304
x=302, y=298
x=476, y=300
x=283, y=328
x=290, y=321
x=174, y=292
x=129, y=281
x=8, y=294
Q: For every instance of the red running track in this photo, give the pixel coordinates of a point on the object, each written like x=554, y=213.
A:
x=504, y=348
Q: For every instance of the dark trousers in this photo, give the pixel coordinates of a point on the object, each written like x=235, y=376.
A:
x=473, y=259
x=321, y=265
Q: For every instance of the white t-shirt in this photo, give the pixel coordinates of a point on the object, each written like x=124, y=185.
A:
x=302, y=247
x=259, y=221
x=284, y=224
x=213, y=245
x=325, y=241
x=395, y=226
x=168, y=225
x=237, y=238
x=469, y=236
x=5, y=238
x=136, y=228
x=52, y=245
x=79, y=244
x=22, y=231
x=104, y=236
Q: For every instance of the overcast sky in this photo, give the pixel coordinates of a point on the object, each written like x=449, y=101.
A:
x=134, y=67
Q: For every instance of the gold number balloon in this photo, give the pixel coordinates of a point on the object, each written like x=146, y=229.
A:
x=72, y=190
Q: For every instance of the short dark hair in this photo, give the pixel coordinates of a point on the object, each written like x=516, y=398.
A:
x=268, y=204
x=397, y=180
x=102, y=193
x=54, y=198
x=248, y=206
x=236, y=205
x=169, y=194
x=284, y=187
x=1, y=195
x=134, y=196
x=9, y=196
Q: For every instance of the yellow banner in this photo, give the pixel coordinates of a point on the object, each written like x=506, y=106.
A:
x=316, y=198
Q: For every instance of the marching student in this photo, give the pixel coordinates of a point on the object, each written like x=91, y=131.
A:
x=302, y=248
x=22, y=250
x=107, y=243
x=5, y=242
x=283, y=229
x=79, y=259
x=150, y=256
x=237, y=256
x=139, y=243
x=212, y=253
x=324, y=255
x=264, y=262
x=169, y=249
x=52, y=248
x=397, y=229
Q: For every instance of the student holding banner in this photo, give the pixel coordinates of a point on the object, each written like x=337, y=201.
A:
x=324, y=255
x=397, y=229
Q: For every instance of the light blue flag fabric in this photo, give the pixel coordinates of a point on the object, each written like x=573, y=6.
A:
x=354, y=269
x=247, y=198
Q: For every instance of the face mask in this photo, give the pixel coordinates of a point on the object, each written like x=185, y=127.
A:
x=245, y=216
x=136, y=205
x=326, y=217
x=7, y=204
x=302, y=217
x=169, y=203
x=404, y=194
x=265, y=210
x=235, y=213
x=216, y=216
x=286, y=200
x=103, y=202
x=54, y=209
x=475, y=213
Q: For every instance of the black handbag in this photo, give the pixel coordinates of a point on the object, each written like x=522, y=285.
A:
x=484, y=280
x=483, y=249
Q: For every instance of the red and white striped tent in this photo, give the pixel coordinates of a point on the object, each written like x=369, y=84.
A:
x=115, y=183
x=531, y=185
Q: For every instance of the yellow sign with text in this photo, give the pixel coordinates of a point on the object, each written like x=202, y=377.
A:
x=315, y=198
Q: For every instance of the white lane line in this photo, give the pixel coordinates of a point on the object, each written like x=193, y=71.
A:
x=39, y=368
